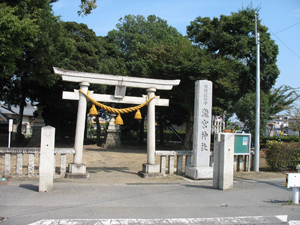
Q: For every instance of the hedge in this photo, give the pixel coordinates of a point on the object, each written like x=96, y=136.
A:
x=282, y=156
x=291, y=138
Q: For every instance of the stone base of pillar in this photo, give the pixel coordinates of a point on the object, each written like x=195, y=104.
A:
x=77, y=176
x=35, y=140
x=113, y=139
x=199, y=173
x=150, y=171
x=77, y=171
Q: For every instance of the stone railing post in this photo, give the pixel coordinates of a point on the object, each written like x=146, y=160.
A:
x=223, y=161
x=46, y=159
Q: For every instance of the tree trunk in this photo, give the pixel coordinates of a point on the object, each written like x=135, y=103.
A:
x=19, y=137
x=98, y=131
x=188, y=142
x=161, y=131
x=85, y=129
x=142, y=133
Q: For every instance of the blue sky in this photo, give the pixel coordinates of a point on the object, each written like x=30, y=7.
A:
x=282, y=17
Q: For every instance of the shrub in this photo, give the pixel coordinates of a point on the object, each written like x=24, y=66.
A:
x=291, y=138
x=282, y=156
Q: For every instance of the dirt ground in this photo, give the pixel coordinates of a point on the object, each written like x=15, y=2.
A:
x=128, y=160
x=123, y=164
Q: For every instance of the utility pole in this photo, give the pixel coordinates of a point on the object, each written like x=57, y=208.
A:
x=257, y=109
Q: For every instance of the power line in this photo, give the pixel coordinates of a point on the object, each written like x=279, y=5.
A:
x=287, y=28
x=284, y=43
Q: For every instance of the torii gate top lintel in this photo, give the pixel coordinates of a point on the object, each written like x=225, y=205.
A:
x=137, y=82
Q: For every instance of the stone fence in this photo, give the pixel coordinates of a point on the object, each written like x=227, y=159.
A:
x=170, y=161
x=176, y=161
x=33, y=161
x=183, y=159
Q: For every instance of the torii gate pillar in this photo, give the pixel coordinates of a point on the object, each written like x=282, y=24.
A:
x=80, y=124
x=151, y=129
x=150, y=169
x=78, y=169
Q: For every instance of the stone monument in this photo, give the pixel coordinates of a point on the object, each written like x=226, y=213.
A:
x=113, y=133
x=35, y=140
x=201, y=168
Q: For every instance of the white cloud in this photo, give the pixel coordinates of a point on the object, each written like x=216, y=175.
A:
x=296, y=13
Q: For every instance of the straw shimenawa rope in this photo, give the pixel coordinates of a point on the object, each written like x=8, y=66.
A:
x=118, y=120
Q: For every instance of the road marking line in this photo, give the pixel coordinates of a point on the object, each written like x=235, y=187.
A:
x=220, y=220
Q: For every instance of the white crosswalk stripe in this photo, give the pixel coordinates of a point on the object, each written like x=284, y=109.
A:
x=281, y=219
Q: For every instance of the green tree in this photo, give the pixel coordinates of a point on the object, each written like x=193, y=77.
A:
x=34, y=66
x=154, y=49
x=86, y=7
x=245, y=111
x=132, y=36
x=133, y=31
x=294, y=118
x=281, y=99
x=274, y=102
x=14, y=34
x=90, y=54
x=175, y=60
x=230, y=40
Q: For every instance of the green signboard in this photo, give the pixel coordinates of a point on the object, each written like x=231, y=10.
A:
x=242, y=144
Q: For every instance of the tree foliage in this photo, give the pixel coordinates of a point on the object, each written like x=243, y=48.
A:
x=89, y=54
x=14, y=34
x=92, y=54
x=86, y=7
x=245, y=110
x=221, y=49
x=151, y=48
x=294, y=118
x=281, y=99
x=275, y=101
x=133, y=31
x=39, y=53
x=230, y=41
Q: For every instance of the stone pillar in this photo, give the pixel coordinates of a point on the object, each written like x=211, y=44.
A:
x=78, y=169
x=46, y=159
x=150, y=169
x=151, y=129
x=80, y=123
x=223, y=161
x=201, y=168
x=7, y=164
x=113, y=133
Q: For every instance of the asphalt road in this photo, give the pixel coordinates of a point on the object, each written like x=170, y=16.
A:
x=179, y=201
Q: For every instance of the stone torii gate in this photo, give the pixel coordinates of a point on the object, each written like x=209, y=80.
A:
x=77, y=169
